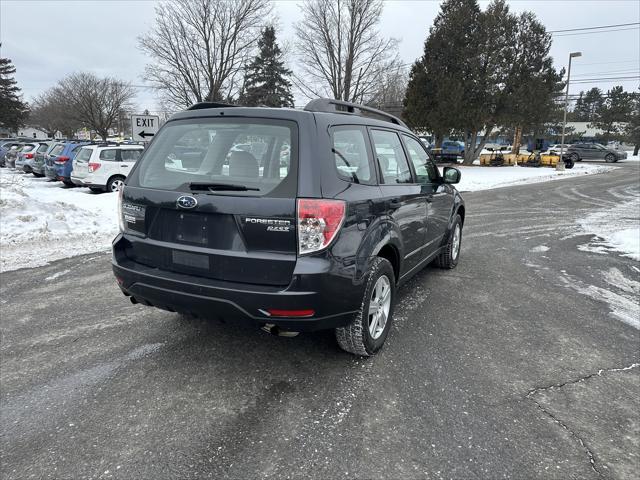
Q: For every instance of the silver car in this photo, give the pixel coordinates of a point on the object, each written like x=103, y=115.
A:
x=27, y=156
x=594, y=151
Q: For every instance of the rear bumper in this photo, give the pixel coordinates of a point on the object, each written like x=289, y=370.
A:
x=78, y=181
x=89, y=183
x=51, y=172
x=334, y=297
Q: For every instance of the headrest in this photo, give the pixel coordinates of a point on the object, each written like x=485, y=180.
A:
x=243, y=164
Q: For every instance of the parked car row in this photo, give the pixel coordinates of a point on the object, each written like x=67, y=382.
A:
x=102, y=167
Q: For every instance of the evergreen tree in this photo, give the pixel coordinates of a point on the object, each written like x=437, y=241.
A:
x=482, y=70
x=528, y=100
x=13, y=111
x=266, y=81
x=632, y=130
x=587, y=105
x=616, y=108
x=438, y=98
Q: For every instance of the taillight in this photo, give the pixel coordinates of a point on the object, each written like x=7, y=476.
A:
x=120, y=214
x=318, y=223
x=93, y=167
x=28, y=155
x=61, y=160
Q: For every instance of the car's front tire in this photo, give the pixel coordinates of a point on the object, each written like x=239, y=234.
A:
x=367, y=332
x=575, y=157
x=610, y=158
x=448, y=257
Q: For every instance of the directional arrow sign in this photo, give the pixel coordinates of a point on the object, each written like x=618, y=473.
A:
x=144, y=127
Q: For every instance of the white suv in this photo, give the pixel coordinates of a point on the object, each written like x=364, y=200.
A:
x=103, y=168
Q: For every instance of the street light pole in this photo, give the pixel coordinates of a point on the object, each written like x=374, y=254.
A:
x=560, y=164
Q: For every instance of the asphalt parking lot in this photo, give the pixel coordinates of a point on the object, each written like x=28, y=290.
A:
x=508, y=366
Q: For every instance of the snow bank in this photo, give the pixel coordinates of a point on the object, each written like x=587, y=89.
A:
x=616, y=228
x=484, y=178
x=40, y=221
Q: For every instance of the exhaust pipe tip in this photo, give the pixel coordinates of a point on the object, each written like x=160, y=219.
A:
x=278, y=332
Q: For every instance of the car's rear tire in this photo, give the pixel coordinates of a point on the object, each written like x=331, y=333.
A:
x=367, y=332
x=37, y=175
x=96, y=189
x=115, y=183
x=450, y=253
x=610, y=158
x=575, y=157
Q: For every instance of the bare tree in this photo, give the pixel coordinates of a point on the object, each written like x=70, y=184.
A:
x=50, y=113
x=340, y=49
x=200, y=48
x=94, y=102
x=390, y=87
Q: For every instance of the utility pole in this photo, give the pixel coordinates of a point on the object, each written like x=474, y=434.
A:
x=560, y=164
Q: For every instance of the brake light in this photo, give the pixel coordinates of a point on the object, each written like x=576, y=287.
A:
x=318, y=223
x=61, y=160
x=28, y=155
x=93, y=167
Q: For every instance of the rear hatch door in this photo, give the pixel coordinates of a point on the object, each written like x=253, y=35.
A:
x=217, y=198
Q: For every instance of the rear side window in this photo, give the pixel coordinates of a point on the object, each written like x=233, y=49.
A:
x=391, y=159
x=108, y=155
x=350, y=154
x=425, y=170
x=227, y=156
x=57, y=150
x=130, y=155
x=84, y=154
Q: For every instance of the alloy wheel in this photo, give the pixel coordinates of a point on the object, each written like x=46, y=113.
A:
x=379, y=307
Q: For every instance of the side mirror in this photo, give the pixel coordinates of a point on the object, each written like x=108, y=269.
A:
x=452, y=175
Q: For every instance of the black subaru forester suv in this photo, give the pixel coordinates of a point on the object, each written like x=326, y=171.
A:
x=295, y=220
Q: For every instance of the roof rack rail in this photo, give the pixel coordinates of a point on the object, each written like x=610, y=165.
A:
x=340, y=106
x=201, y=105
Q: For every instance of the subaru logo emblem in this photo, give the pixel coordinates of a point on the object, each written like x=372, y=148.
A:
x=186, y=201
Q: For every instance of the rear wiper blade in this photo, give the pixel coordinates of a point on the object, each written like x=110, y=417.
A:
x=220, y=186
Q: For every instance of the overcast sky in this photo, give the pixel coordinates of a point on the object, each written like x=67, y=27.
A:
x=49, y=39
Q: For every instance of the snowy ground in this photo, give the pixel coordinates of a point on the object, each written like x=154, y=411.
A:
x=40, y=221
x=484, y=178
x=622, y=236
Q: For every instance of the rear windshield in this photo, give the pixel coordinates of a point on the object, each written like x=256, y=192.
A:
x=84, y=154
x=28, y=148
x=42, y=148
x=57, y=150
x=227, y=156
